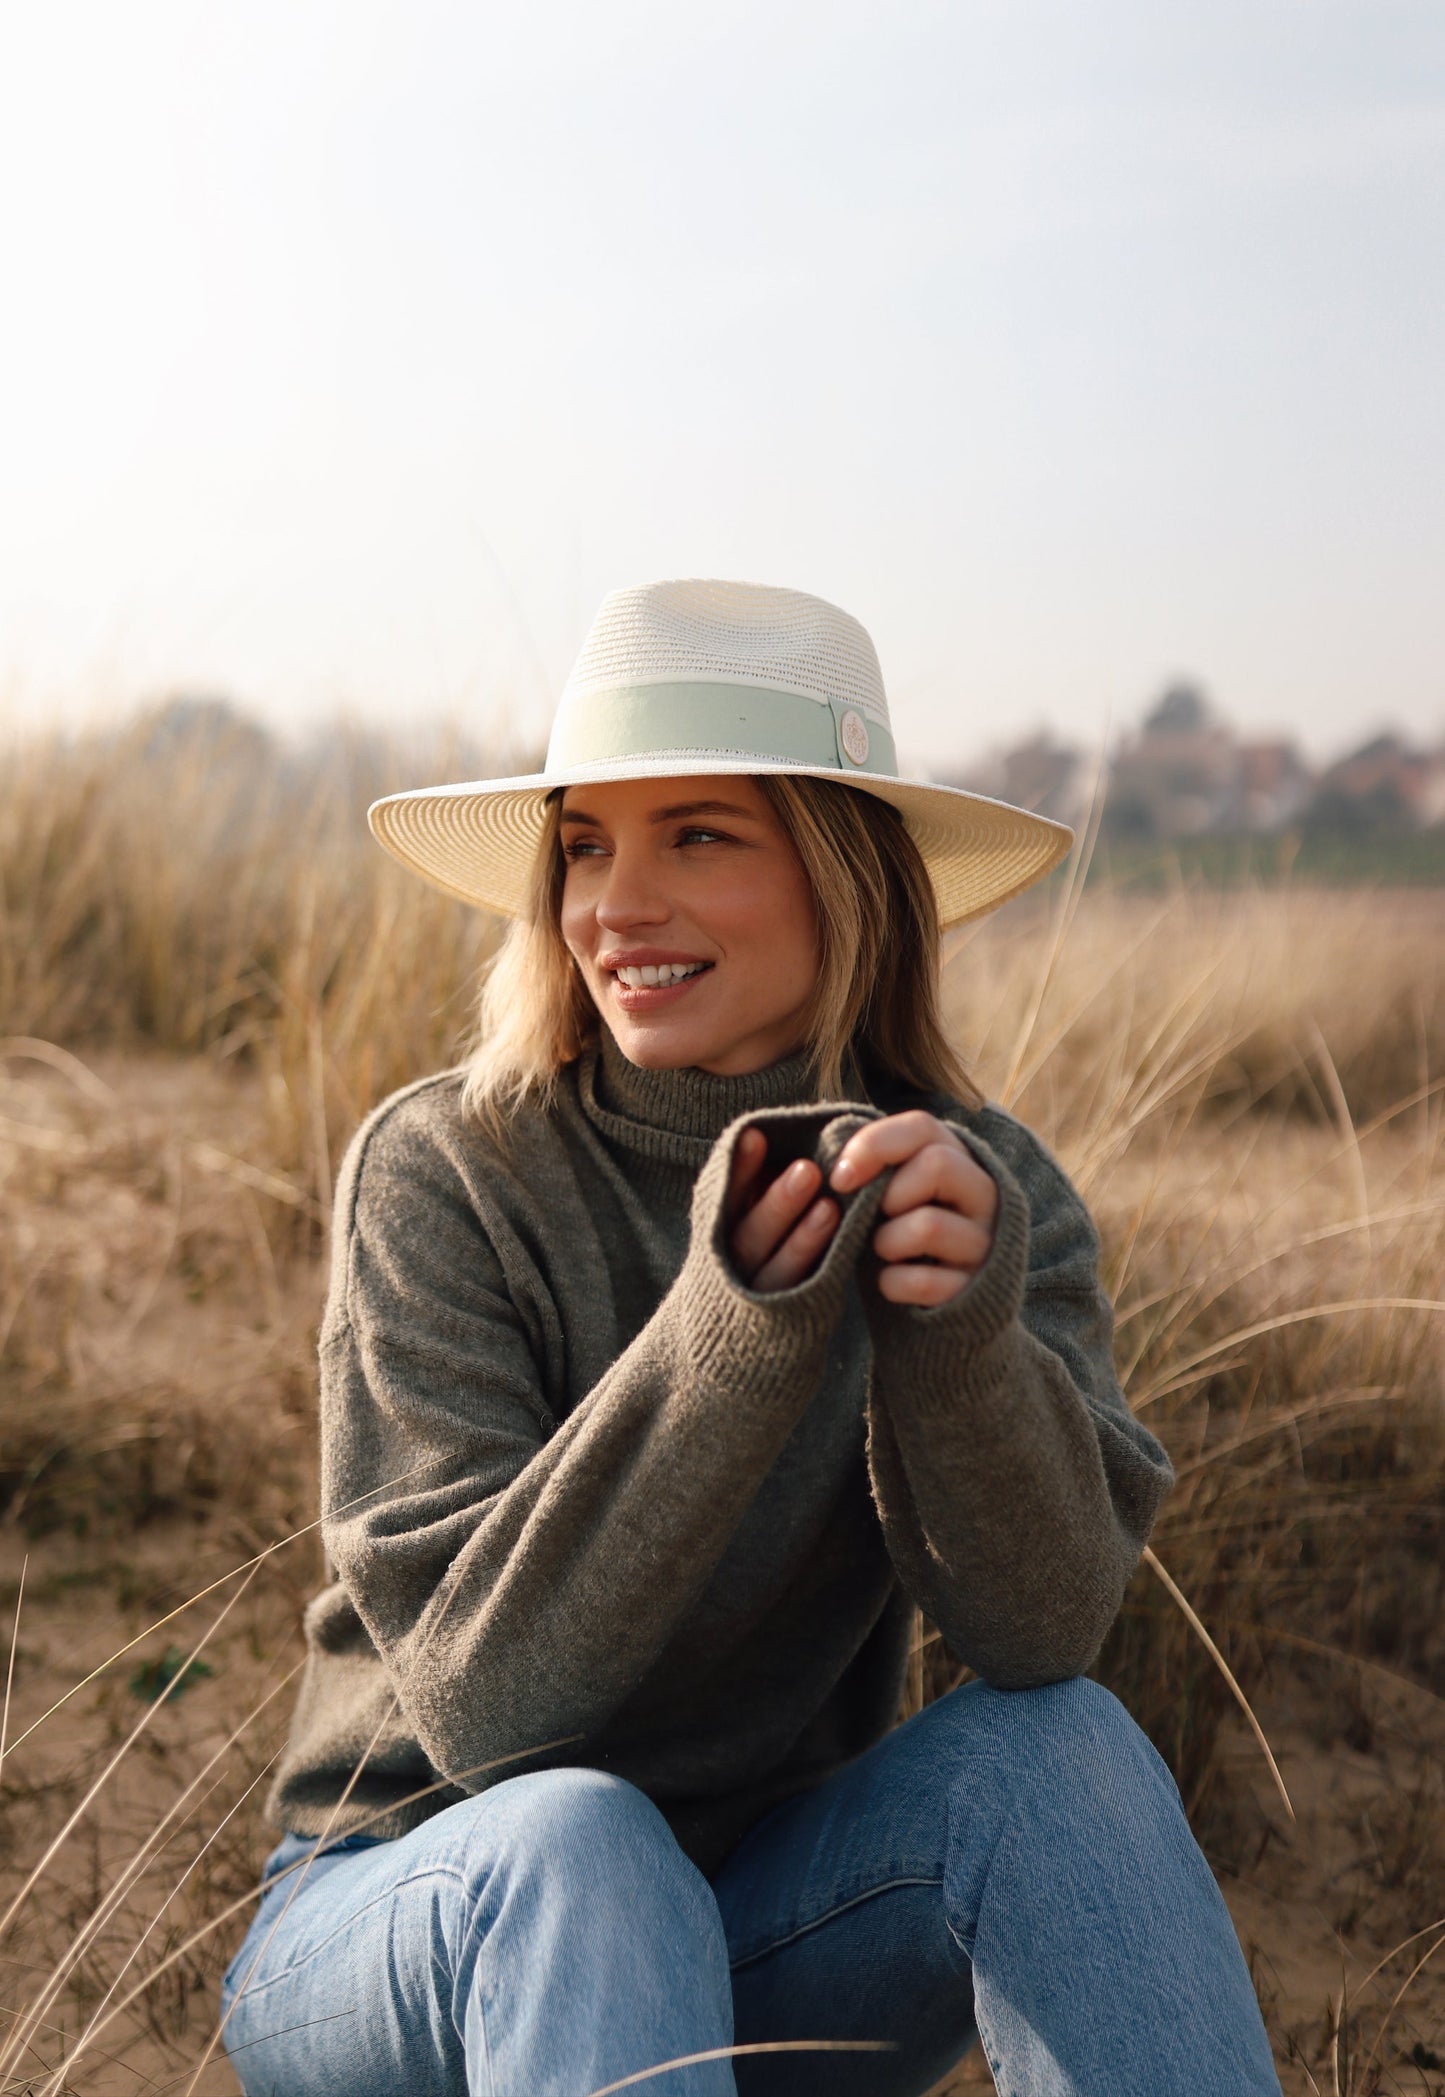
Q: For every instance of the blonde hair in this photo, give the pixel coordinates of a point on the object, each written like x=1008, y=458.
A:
x=874, y=1006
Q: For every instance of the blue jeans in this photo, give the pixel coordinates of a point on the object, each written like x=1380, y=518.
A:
x=1011, y=1866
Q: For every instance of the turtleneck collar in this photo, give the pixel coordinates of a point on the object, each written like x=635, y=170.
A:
x=678, y=1115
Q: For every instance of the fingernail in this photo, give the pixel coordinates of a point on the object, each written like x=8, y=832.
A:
x=843, y=1173
x=798, y=1175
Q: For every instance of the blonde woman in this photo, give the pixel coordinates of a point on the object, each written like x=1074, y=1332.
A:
x=679, y=1348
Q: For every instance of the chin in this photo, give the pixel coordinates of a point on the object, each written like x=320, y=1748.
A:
x=647, y=1057
x=660, y=1050
x=650, y=1049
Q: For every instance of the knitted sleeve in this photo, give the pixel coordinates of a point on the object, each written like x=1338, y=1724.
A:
x=1015, y=1486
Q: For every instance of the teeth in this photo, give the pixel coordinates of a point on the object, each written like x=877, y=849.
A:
x=653, y=976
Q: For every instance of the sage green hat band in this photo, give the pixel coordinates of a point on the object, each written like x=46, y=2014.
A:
x=757, y=722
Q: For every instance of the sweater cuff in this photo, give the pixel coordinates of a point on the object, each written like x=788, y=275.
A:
x=933, y=1337
x=798, y=1320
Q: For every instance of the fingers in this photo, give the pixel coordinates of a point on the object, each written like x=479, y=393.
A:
x=924, y=1286
x=932, y=1166
x=880, y=1143
x=779, y=1235
x=944, y=1173
x=747, y=1164
x=801, y=1250
x=931, y=1233
x=940, y=1203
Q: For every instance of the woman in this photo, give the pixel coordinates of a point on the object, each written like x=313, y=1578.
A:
x=676, y=1352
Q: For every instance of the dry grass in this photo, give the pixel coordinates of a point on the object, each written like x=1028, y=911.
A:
x=204, y=893
x=207, y=974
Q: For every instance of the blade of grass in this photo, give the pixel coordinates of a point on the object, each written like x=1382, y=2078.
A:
x=733, y=2053
x=10, y=1665
x=1192, y=1617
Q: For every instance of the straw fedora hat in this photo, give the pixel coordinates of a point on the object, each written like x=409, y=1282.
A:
x=684, y=678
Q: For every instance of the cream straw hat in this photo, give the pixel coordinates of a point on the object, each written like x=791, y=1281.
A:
x=681, y=678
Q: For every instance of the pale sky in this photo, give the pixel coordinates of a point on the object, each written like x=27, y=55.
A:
x=350, y=353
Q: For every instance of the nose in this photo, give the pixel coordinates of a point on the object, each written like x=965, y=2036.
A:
x=632, y=892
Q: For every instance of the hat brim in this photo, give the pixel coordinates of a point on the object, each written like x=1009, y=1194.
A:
x=478, y=841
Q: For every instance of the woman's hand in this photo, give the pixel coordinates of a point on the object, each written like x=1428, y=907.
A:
x=940, y=1203
x=940, y=1208
x=779, y=1235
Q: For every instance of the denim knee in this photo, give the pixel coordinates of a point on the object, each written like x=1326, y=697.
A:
x=1075, y=1726
x=1073, y=1734
x=593, y=1818
x=570, y=1839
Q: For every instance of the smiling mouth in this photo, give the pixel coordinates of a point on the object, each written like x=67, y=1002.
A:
x=660, y=975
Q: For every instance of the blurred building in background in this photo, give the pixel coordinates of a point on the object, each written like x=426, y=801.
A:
x=1185, y=773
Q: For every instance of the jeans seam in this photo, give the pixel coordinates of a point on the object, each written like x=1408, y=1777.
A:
x=805, y=1929
x=1005, y=1828
x=486, y=2039
x=471, y=1944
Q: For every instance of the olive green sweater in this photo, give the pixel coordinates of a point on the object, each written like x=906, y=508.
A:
x=582, y=1486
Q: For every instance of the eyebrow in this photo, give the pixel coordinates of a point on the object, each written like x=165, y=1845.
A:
x=670, y=815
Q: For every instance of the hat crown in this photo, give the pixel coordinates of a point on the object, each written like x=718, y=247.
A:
x=701, y=632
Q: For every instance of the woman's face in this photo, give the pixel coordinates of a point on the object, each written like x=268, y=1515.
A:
x=690, y=916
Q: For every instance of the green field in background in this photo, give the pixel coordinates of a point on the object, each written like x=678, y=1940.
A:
x=1335, y=859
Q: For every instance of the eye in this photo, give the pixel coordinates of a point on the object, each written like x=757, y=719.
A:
x=582, y=848
x=697, y=834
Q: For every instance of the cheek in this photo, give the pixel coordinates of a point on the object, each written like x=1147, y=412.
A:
x=802, y=930
x=807, y=962
x=783, y=933
x=575, y=920
x=578, y=946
